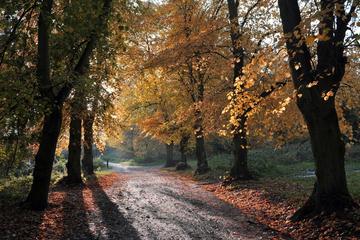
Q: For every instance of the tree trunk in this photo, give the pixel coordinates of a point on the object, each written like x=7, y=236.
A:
x=330, y=193
x=12, y=159
x=182, y=165
x=73, y=165
x=88, y=158
x=183, y=144
x=44, y=158
x=37, y=198
x=239, y=169
x=170, y=155
x=202, y=164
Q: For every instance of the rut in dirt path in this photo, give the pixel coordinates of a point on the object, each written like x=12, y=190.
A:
x=160, y=206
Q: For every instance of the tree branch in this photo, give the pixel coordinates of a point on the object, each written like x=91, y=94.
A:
x=13, y=31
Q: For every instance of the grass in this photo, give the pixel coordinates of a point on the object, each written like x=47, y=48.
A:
x=115, y=157
x=15, y=189
x=284, y=173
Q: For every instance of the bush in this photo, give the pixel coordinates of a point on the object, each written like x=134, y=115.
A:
x=13, y=190
x=60, y=165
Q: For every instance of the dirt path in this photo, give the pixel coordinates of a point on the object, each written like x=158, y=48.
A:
x=132, y=203
x=159, y=206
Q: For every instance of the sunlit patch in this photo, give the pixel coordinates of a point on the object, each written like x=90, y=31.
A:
x=52, y=224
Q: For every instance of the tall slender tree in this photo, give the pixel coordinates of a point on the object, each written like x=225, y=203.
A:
x=77, y=107
x=37, y=197
x=239, y=167
x=54, y=100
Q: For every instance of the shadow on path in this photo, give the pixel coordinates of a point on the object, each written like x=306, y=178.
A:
x=117, y=226
x=218, y=208
x=75, y=220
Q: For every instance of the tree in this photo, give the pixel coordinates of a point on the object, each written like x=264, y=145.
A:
x=251, y=74
x=182, y=165
x=316, y=88
x=88, y=158
x=239, y=167
x=73, y=164
x=54, y=100
x=189, y=52
x=37, y=197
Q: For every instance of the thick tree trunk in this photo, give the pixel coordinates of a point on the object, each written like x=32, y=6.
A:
x=239, y=169
x=73, y=165
x=37, y=198
x=170, y=155
x=88, y=158
x=330, y=193
x=202, y=164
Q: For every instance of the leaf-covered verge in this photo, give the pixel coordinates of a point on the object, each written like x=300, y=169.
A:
x=282, y=186
x=272, y=202
x=65, y=218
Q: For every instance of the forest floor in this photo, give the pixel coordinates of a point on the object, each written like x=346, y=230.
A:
x=149, y=203
x=272, y=202
x=137, y=203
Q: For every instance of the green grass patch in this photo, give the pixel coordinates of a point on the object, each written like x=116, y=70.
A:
x=103, y=172
x=15, y=189
x=284, y=172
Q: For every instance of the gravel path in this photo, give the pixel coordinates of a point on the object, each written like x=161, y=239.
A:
x=155, y=205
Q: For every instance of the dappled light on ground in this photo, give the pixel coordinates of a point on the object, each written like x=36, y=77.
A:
x=83, y=212
x=263, y=202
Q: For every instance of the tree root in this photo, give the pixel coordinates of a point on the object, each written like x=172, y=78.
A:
x=325, y=206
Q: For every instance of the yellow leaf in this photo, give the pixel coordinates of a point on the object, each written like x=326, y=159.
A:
x=310, y=40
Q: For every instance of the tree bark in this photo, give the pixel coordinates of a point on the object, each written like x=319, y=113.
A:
x=73, y=165
x=183, y=144
x=170, y=155
x=239, y=168
x=88, y=158
x=44, y=158
x=202, y=164
x=37, y=198
x=330, y=193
